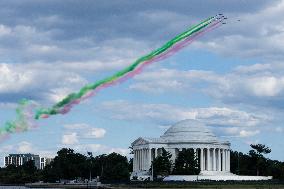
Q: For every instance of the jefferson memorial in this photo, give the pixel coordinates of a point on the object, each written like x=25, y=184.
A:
x=213, y=154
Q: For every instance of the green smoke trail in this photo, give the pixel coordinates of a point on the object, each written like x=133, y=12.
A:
x=23, y=120
x=57, y=108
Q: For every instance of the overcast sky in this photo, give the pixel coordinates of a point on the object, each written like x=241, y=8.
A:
x=232, y=78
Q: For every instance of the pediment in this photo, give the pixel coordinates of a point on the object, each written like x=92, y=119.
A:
x=140, y=141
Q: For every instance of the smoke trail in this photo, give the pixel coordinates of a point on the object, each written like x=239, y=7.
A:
x=24, y=119
x=68, y=102
x=26, y=115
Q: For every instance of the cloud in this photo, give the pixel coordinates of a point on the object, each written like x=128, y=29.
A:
x=85, y=131
x=19, y=81
x=63, y=46
x=70, y=138
x=257, y=34
x=24, y=147
x=165, y=113
x=241, y=132
x=254, y=85
x=95, y=133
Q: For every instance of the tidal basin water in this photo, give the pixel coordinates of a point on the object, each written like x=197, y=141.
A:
x=20, y=187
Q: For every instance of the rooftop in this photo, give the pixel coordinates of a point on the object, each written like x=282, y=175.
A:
x=189, y=131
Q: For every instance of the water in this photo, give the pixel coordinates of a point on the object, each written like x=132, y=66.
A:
x=19, y=187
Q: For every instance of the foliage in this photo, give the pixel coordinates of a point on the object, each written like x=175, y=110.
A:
x=70, y=165
x=111, y=168
x=22, y=174
x=257, y=155
x=186, y=163
x=254, y=163
x=162, y=164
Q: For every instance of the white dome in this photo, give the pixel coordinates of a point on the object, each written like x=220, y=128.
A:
x=189, y=131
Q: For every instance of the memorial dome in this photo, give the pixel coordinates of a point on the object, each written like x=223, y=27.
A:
x=189, y=131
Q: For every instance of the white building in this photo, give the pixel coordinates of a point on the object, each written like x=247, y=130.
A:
x=44, y=161
x=213, y=154
x=20, y=159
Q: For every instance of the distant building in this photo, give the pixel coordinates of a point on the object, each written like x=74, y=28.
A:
x=44, y=161
x=20, y=159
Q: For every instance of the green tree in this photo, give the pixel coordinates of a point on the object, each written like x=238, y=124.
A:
x=68, y=165
x=111, y=168
x=257, y=154
x=130, y=165
x=186, y=163
x=162, y=164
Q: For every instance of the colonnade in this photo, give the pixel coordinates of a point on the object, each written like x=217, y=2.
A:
x=210, y=159
x=142, y=159
x=214, y=159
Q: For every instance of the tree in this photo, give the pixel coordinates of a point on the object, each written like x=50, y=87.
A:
x=130, y=165
x=69, y=165
x=162, y=164
x=111, y=168
x=186, y=163
x=257, y=154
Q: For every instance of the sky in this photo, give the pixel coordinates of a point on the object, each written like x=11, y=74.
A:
x=231, y=79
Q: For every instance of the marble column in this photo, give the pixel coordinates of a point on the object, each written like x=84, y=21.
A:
x=149, y=157
x=143, y=159
x=134, y=161
x=229, y=161
x=219, y=159
x=146, y=159
x=226, y=158
x=208, y=160
x=214, y=160
x=201, y=160
x=140, y=159
x=137, y=159
x=223, y=160
x=156, y=152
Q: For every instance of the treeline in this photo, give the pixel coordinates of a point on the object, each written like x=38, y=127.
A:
x=68, y=165
x=246, y=164
x=255, y=163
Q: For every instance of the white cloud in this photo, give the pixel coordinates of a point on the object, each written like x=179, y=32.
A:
x=95, y=133
x=85, y=131
x=70, y=138
x=25, y=147
x=26, y=81
x=257, y=34
x=166, y=113
x=241, y=132
x=261, y=85
x=244, y=133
